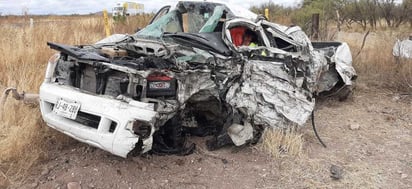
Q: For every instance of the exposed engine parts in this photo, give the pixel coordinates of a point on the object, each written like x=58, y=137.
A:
x=131, y=94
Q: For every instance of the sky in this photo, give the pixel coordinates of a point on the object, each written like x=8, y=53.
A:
x=18, y=7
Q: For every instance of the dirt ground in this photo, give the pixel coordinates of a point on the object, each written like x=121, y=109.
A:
x=368, y=138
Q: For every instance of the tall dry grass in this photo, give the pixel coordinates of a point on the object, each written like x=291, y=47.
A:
x=375, y=63
x=23, y=59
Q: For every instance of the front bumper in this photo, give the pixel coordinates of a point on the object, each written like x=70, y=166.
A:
x=102, y=121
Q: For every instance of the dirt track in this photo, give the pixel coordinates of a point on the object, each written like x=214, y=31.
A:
x=375, y=153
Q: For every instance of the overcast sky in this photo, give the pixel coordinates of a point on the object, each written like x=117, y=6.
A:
x=17, y=7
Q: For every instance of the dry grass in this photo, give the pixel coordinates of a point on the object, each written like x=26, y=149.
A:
x=375, y=64
x=282, y=142
x=24, y=138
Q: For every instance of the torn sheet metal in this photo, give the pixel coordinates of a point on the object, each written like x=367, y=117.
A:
x=343, y=63
x=338, y=65
x=317, y=78
x=270, y=95
x=403, y=49
x=192, y=82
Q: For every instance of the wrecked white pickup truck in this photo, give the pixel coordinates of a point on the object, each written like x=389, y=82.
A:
x=189, y=73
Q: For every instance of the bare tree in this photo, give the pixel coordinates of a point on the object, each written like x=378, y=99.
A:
x=387, y=8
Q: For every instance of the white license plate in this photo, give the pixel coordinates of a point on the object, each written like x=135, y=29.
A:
x=66, y=109
x=159, y=85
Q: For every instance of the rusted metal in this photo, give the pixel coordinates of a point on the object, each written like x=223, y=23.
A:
x=27, y=98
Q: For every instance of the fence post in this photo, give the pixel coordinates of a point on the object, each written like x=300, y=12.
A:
x=106, y=23
x=315, y=26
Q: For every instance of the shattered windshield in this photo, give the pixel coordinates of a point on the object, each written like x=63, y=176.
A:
x=189, y=17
